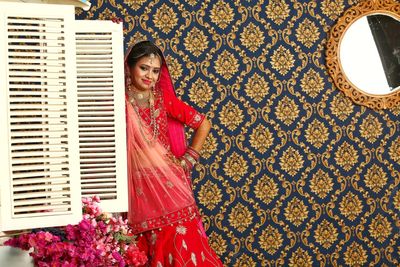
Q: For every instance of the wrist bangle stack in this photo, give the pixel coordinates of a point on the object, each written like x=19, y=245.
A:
x=190, y=158
x=184, y=163
x=193, y=153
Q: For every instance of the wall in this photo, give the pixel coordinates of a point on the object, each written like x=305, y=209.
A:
x=293, y=173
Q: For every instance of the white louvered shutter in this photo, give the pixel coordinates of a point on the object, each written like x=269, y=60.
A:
x=38, y=126
x=101, y=111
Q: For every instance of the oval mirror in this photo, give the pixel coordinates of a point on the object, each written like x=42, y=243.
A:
x=363, y=53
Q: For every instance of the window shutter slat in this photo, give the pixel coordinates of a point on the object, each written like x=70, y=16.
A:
x=101, y=112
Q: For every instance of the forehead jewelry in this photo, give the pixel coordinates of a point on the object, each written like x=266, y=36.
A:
x=152, y=56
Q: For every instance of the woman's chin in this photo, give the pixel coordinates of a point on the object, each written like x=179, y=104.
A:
x=144, y=88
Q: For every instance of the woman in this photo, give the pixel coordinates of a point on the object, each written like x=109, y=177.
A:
x=162, y=208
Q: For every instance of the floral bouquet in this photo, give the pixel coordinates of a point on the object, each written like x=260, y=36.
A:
x=97, y=240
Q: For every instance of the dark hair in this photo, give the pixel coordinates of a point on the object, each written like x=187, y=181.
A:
x=142, y=49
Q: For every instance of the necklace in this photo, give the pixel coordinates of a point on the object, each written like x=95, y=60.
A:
x=153, y=118
x=139, y=95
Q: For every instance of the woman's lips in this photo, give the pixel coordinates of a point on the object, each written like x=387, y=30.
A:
x=147, y=82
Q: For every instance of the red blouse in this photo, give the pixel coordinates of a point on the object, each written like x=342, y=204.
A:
x=182, y=112
x=170, y=106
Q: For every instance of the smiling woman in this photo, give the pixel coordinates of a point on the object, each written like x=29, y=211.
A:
x=162, y=208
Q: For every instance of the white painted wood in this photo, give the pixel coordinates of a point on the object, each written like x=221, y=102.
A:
x=101, y=111
x=40, y=184
x=84, y=4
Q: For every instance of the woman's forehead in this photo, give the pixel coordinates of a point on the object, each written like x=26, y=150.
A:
x=152, y=61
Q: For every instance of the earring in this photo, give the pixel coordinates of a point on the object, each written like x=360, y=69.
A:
x=128, y=82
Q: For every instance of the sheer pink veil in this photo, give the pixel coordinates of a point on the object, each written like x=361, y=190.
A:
x=158, y=187
x=176, y=130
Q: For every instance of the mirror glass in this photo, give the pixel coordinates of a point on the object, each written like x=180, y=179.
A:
x=370, y=54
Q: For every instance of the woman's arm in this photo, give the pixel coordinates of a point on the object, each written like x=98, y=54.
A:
x=187, y=115
x=192, y=154
x=200, y=135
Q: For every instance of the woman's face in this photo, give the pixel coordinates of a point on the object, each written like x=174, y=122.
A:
x=144, y=74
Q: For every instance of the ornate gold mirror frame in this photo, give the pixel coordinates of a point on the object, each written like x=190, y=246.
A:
x=334, y=66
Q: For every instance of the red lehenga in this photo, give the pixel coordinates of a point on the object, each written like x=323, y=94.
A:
x=162, y=208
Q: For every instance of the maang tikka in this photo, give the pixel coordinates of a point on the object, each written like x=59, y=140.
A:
x=152, y=56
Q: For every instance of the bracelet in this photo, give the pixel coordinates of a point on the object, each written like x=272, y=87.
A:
x=192, y=160
x=189, y=159
x=186, y=164
x=193, y=153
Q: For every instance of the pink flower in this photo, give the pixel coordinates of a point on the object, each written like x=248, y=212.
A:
x=84, y=225
x=97, y=240
x=119, y=259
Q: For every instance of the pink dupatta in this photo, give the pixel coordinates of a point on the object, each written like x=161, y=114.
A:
x=176, y=131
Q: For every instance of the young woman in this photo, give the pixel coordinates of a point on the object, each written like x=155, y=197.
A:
x=162, y=208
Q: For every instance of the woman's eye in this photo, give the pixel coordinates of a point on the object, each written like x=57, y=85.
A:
x=143, y=68
x=156, y=71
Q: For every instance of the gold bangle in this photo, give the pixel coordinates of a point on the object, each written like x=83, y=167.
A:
x=190, y=159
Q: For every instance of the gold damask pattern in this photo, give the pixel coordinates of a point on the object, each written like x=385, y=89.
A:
x=321, y=184
x=196, y=42
x=293, y=172
x=312, y=83
x=222, y=14
x=252, y=37
x=165, y=18
x=277, y=11
x=371, y=128
x=326, y=234
x=282, y=60
x=226, y=65
x=287, y=110
x=201, y=93
x=256, y=88
x=317, y=133
x=231, y=116
x=261, y=138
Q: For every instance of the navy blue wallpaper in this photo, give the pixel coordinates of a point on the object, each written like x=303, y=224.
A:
x=293, y=173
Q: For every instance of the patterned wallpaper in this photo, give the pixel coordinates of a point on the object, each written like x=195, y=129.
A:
x=293, y=173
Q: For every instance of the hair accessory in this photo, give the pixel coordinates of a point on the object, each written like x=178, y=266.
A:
x=152, y=57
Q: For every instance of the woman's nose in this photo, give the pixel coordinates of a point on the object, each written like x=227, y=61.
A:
x=150, y=75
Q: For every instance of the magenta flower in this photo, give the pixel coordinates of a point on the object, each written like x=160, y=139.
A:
x=97, y=240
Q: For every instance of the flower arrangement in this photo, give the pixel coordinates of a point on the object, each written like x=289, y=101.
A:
x=97, y=240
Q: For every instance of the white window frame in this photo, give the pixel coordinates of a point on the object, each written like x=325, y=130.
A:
x=8, y=219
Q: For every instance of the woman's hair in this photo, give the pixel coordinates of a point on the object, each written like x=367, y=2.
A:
x=143, y=49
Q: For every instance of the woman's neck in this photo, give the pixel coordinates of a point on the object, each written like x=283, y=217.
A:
x=143, y=99
x=139, y=94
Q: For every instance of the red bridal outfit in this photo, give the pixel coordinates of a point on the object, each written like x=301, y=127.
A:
x=162, y=209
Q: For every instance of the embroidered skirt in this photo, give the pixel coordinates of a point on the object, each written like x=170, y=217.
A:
x=180, y=244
